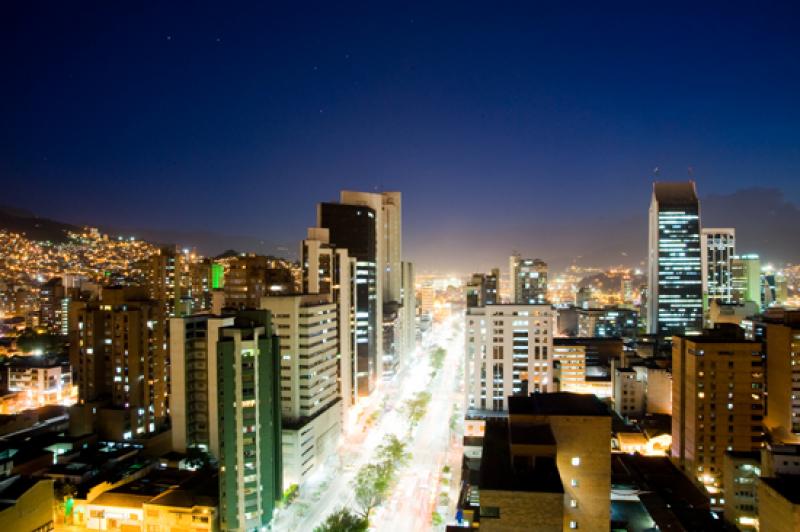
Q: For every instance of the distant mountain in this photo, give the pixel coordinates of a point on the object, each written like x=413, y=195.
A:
x=34, y=227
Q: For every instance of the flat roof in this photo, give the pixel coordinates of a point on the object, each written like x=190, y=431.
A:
x=557, y=404
x=788, y=486
x=497, y=471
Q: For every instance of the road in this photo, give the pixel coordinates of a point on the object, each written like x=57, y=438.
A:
x=414, y=497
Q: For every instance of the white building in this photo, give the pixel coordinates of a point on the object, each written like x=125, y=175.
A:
x=311, y=408
x=717, y=248
x=509, y=351
x=193, y=381
x=628, y=391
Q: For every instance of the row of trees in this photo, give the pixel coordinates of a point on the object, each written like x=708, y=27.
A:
x=371, y=487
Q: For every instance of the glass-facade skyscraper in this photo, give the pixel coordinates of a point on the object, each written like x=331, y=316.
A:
x=718, y=247
x=675, y=289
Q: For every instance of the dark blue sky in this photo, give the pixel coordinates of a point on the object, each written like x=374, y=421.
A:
x=506, y=125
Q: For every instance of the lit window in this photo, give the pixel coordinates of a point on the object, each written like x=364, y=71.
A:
x=573, y=524
x=576, y=460
x=573, y=503
x=574, y=482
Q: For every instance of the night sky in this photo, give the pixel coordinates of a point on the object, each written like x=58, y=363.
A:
x=525, y=126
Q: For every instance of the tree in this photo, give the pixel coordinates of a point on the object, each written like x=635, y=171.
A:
x=371, y=486
x=417, y=407
x=393, y=451
x=437, y=358
x=343, y=520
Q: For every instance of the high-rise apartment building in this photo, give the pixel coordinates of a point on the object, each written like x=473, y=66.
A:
x=248, y=278
x=528, y=280
x=779, y=330
x=409, y=308
x=327, y=269
x=746, y=278
x=118, y=353
x=483, y=289
x=717, y=247
x=311, y=409
x=675, y=290
x=249, y=420
x=193, y=399
x=718, y=403
x=508, y=352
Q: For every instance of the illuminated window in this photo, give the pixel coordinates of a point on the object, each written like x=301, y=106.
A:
x=576, y=460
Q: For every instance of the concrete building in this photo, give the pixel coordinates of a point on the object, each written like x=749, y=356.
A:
x=327, y=269
x=628, y=395
x=779, y=503
x=657, y=390
x=355, y=227
x=583, y=364
x=509, y=351
x=27, y=504
x=733, y=313
x=740, y=472
x=482, y=289
x=193, y=381
x=311, y=408
x=746, y=278
x=118, y=353
x=717, y=248
x=249, y=419
x=718, y=403
x=608, y=322
x=248, y=278
x=779, y=330
x=528, y=280
x=675, y=289
x=572, y=430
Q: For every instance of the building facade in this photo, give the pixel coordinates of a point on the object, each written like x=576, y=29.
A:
x=675, y=288
x=249, y=420
x=717, y=247
x=509, y=350
x=528, y=280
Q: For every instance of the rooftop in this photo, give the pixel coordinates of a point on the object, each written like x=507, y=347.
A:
x=498, y=473
x=675, y=193
x=788, y=486
x=557, y=404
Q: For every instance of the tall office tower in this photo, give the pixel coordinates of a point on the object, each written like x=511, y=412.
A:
x=780, y=332
x=355, y=228
x=482, y=289
x=717, y=248
x=608, y=322
x=249, y=420
x=528, y=280
x=193, y=396
x=508, y=352
x=746, y=278
x=311, y=409
x=391, y=204
x=717, y=403
x=675, y=290
x=409, y=300
x=118, y=355
x=164, y=277
x=251, y=277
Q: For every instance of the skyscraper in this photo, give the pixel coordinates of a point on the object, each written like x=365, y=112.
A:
x=249, y=420
x=528, y=279
x=746, y=278
x=675, y=289
x=483, y=288
x=354, y=227
x=717, y=247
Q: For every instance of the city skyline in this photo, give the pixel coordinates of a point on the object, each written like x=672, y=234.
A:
x=547, y=109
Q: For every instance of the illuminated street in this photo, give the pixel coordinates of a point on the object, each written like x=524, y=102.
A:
x=414, y=496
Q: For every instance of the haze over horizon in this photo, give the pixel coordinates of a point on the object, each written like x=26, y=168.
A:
x=528, y=128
